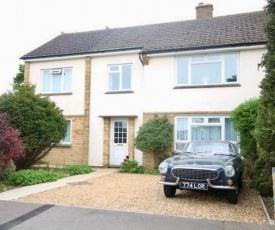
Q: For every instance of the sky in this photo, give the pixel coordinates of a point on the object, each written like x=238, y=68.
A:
x=27, y=24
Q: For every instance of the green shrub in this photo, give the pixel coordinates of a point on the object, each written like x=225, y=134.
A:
x=31, y=177
x=77, y=169
x=5, y=174
x=131, y=166
x=155, y=137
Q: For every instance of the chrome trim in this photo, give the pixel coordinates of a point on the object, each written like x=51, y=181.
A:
x=170, y=183
x=221, y=186
x=195, y=168
x=192, y=167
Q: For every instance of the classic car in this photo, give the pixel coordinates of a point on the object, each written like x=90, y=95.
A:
x=203, y=165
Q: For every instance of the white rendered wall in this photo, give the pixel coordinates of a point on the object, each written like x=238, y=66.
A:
x=102, y=104
x=154, y=92
x=71, y=104
x=159, y=95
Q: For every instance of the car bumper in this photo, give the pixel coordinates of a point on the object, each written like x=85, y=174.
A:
x=176, y=183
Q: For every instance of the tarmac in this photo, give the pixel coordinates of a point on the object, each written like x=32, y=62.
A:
x=19, y=215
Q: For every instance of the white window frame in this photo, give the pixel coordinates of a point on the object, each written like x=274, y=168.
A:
x=120, y=77
x=205, y=61
x=205, y=123
x=54, y=72
x=63, y=142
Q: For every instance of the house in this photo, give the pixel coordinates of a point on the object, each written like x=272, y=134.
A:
x=109, y=82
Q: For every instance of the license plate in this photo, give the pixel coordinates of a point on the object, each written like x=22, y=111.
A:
x=193, y=185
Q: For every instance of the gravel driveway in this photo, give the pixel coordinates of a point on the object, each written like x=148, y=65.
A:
x=142, y=193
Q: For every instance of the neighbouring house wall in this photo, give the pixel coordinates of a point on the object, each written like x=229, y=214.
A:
x=75, y=107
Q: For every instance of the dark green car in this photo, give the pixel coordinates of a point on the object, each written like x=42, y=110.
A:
x=203, y=165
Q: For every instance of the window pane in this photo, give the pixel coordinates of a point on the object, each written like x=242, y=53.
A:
x=214, y=57
x=207, y=73
x=230, y=133
x=67, y=80
x=46, y=81
x=197, y=58
x=114, y=81
x=214, y=120
x=114, y=68
x=182, y=129
x=230, y=67
x=182, y=71
x=126, y=77
x=197, y=120
x=56, y=83
x=199, y=133
x=67, y=138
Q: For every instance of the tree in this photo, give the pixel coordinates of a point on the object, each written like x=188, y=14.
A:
x=38, y=119
x=265, y=124
x=11, y=146
x=154, y=137
x=244, y=117
x=19, y=79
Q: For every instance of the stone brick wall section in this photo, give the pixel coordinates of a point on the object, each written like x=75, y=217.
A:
x=27, y=73
x=106, y=142
x=87, y=110
x=71, y=154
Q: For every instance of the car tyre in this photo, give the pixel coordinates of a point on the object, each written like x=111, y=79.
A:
x=232, y=196
x=169, y=191
x=240, y=182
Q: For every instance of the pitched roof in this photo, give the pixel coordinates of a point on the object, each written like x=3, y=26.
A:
x=224, y=31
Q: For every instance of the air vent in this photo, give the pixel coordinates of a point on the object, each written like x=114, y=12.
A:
x=56, y=71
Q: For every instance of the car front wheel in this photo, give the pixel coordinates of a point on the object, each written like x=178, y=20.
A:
x=232, y=196
x=169, y=191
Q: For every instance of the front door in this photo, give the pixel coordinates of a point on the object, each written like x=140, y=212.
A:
x=119, y=141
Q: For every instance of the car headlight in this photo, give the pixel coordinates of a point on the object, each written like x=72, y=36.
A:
x=229, y=171
x=163, y=167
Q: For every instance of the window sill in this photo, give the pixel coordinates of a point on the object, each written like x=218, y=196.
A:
x=207, y=86
x=56, y=94
x=63, y=145
x=120, y=92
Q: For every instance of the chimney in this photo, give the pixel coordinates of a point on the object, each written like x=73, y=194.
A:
x=204, y=11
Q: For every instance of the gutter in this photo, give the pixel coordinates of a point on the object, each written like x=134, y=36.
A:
x=207, y=50
x=78, y=56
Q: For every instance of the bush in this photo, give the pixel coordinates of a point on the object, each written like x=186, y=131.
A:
x=77, y=169
x=31, y=177
x=244, y=117
x=155, y=137
x=131, y=166
x=8, y=171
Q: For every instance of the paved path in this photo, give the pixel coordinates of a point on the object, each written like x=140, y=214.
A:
x=28, y=216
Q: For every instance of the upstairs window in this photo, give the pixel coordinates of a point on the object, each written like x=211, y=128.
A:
x=211, y=69
x=57, y=80
x=120, y=77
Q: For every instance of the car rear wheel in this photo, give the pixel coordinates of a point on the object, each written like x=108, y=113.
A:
x=232, y=196
x=169, y=191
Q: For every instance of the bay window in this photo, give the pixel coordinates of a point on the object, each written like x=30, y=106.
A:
x=203, y=128
x=210, y=69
